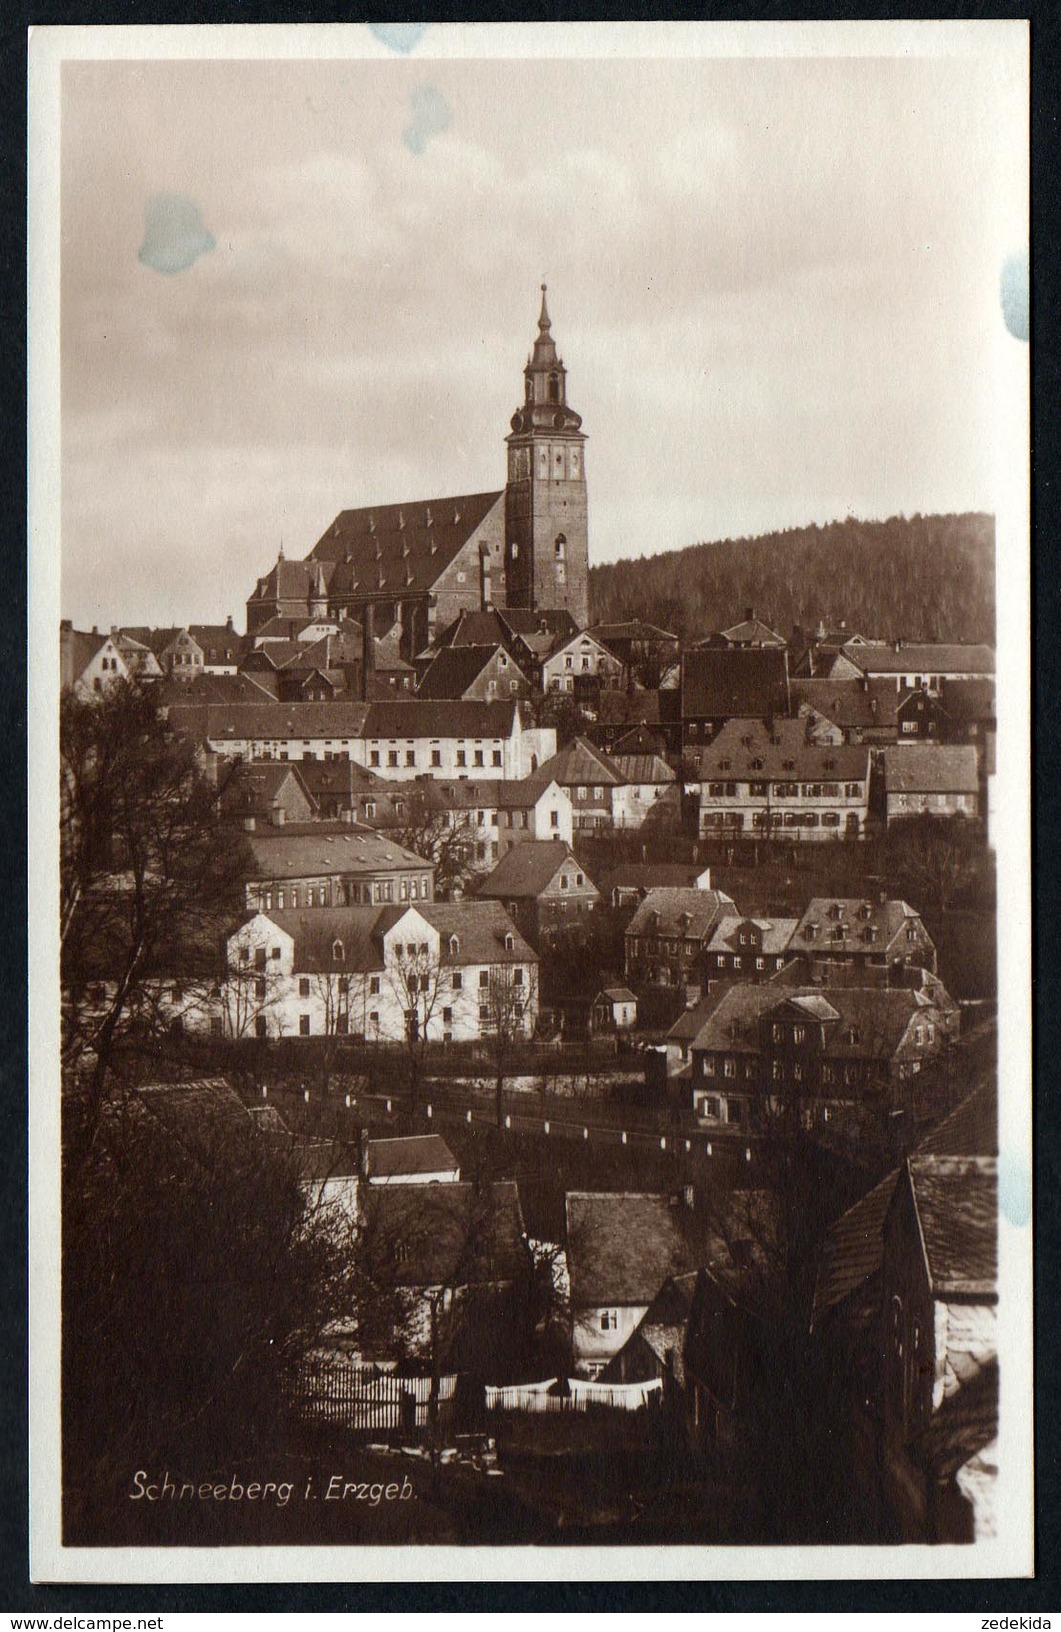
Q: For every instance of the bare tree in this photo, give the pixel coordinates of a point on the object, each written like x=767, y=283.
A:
x=417, y=983
x=338, y=996
x=148, y=878
x=447, y=841
x=511, y=1001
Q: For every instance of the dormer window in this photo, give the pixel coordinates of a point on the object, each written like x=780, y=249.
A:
x=510, y=944
x=454, y=946
x=338, y=952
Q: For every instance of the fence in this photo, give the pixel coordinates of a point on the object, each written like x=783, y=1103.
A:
x=362, y=1397
x=579, y=1396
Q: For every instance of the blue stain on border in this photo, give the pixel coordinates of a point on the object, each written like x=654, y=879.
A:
x=1014, y=289
x=430, y=116
x=174, y=234
x=403, y=37
x=1014, y=1189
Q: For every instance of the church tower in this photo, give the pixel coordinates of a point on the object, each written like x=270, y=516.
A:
x=546, y=530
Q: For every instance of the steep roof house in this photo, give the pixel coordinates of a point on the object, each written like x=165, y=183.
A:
x=770, y=780
x=724, y=683
x=931, y=779
x=89, y=663
x=854, y=930
x=666, y=940
x=620, y=1247
x=544, y=888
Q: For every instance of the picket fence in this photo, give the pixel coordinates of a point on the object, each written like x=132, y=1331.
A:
x=353, y=1396
x=580, y=1396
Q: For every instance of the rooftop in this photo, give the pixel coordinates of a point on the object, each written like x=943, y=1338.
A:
x=622, y=1246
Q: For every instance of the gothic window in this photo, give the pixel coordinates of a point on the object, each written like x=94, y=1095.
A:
x=554, y=388
x=559, y=544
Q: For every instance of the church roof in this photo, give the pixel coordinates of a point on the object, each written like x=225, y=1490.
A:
x=407, y=546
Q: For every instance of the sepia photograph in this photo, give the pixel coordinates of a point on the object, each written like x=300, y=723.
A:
x=530, y=1041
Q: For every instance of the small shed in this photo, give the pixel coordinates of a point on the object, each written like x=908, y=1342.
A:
x=614, y=1009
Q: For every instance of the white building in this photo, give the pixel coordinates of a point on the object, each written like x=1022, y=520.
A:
x=447, y=972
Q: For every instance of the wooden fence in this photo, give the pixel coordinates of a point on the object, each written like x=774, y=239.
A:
x=576, y=1396
x=363, y=1397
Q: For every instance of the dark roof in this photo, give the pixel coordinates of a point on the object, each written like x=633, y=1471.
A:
x=482, y=793
x=415, y=717
x=862, y=1022
x=854, y=1245
x=931, y=768
x=638, y=740
x=344, y=776
x=869, y=925
x=580, y=764
x=746, y=749
x=454, y=670
x=660, y=913
x=675, y=875
x=448, y=1234
x=481, y=928
x=968, y=701
x=630, y=631
x=399, y=546
x=347, y=849
x=78, y=650
x=254, y=786
x=643, y=768
x=776, y=934
x=850, y=704
x=415, y=1153
x=220, y=644
x=921, y=658
x=957, y=1207
x=201, y=1115
x=722, y=681
x=749, y=632
x=527, y=869
x=270, y=721
x=256, y=690
x=617, y=994
x=622, y=1246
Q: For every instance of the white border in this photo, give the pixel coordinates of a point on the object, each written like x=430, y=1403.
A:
x=1012, y=1553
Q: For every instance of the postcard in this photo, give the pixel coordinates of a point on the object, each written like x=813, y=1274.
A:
x=529, y=540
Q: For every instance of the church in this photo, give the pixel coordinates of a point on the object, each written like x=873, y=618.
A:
x=416, y=566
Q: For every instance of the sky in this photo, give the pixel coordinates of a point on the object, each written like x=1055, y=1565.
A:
x=290, y=288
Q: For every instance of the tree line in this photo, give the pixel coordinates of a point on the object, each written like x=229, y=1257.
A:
x=911, y=577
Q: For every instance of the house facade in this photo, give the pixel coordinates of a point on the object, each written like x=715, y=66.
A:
x=827, y=1050
x=931, y=780
x=768, y=780
x=580, y=664
x=346, y=867
x=544, y=888
x=887, y=934
x=89, y=664
x=748, y=948
x=376, y=973
x=666, y=940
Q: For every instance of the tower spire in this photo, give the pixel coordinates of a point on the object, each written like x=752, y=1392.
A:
x=544, y=325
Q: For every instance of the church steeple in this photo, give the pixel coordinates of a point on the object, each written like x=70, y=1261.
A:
x=546, y=562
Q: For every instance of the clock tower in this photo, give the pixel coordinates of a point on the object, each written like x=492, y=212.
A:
x=546, y=533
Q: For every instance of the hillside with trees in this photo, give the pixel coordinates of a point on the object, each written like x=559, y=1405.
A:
x=914, y=577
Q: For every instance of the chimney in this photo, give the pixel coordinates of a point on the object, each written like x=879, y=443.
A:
x=66, y=625
x=229, y=625
x=749, y=614
x=95, y=631
x=368, y=651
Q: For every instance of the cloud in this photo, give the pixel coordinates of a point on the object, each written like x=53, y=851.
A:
x=174, y=234
x=430, y=116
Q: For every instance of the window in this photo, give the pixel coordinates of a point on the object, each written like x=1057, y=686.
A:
x=447, y=1017
x=259, y=957
x=373, y=757
x=799, y=1034
x=436, y=758
x=760, y=963
x=373, y=985
x=454, y=946
x=484, y=1011
x=261, y=1026
x=509, y=943
x=373, y=1019
x=303, y=1025
x=484, y=977
x=495, y=758
x=729, y=1066
x=344, y=984
x=462, y=758
x=478, y=756
x=274, y=952
x=410, y=756
x=303, y=986
x=609, y=1320
x=458, y=980
x=517, y=977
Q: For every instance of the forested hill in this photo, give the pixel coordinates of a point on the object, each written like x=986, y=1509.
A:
x=917, y=577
